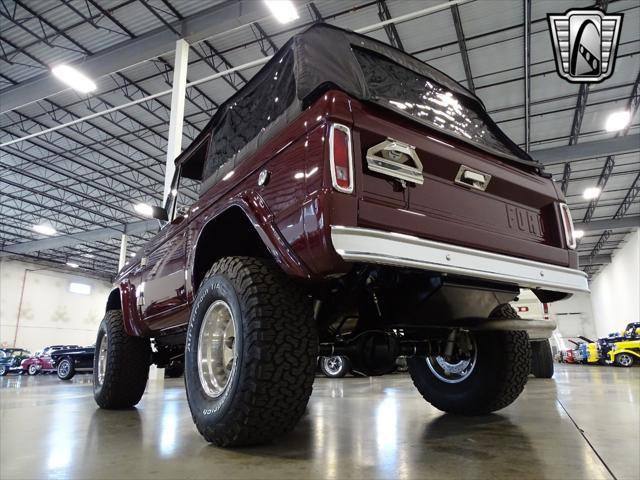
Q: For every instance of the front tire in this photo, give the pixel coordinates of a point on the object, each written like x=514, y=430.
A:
x=120, y=364
x=3, y=371
x=541, y=359
x=489, y=378
x=335, y=366
x=250, y=354
x=66, y=370
x=624, y=359
x=33, y=370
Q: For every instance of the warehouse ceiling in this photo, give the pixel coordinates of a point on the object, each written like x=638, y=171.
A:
x=84, y=179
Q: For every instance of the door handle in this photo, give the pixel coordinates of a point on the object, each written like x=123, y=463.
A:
x=473, y=179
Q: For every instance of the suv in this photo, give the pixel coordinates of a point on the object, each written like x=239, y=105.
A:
x=348, y=200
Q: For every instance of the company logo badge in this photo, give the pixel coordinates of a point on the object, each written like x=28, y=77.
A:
x=585, y=44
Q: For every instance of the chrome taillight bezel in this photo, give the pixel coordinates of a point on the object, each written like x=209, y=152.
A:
x=332, y=165
x=567, y=223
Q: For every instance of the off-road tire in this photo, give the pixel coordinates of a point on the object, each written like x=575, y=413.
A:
x=326, y=371
x=127, y=367
x=541, y=359
x=499, y=376
x=618, y=360
x=276, y=353
x=174, y=370
x=70, y=373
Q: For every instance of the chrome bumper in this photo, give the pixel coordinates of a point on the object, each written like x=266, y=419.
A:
x=389, y=248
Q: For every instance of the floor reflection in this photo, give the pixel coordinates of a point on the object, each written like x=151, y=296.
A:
x=353, y=428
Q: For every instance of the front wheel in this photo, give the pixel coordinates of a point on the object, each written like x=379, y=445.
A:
x=251, y=352
x=120, y=364
x=66, y=370
x=541, y=359
x=624, y=359
x=335, y=366
x=487, y=372
x=33, y=370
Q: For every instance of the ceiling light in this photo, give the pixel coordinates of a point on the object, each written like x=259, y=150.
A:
x=283, y=10
x=72, y=265
x=578, y=234
x=45, y=229
x=591, y=193
x=144, y=209
x=617, y=121
x=75, y=79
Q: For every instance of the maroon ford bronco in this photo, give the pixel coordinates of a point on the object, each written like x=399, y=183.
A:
x=349, y=200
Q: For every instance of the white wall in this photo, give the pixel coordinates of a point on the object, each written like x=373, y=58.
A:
x=50, y=314
x=615, y=291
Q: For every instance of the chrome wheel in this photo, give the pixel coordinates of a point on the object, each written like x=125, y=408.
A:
x=454, y=370
x=33, y=370
x=216, y=348
x=64, y=368
x=333, y=365
x=625, y=360
x=102, y=357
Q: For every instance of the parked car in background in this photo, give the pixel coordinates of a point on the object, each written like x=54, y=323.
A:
x=41, y=362
x=70, y=361
x=335, y=366
x=11, y=362
x=624, y=350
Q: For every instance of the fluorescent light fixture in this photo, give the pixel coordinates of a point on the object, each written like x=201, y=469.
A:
x=44, y=229
x=578, y=234
x=75, y=79
x=144, y=209
x=72, y=265
x=80, y=288
x=283, y=10
x=617, y=121
x=591, y=193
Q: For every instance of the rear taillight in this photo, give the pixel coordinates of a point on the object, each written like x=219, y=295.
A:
x=567, y=223
x=341, y=158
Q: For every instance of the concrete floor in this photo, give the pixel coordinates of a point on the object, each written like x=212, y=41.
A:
x=583, y=424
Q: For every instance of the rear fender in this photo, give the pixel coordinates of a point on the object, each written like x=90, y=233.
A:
x=255, y=234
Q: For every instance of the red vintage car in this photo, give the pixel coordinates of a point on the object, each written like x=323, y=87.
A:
x=41, y=362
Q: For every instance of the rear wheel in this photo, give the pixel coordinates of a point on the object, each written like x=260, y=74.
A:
x=624, y=359
x=3, y=371
x=335, y=366
x=251, y=352
x=486, y=372
x=66, y=370
x=120, y=364
x=541, y=359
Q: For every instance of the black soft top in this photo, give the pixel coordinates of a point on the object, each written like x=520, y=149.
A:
x=320, y=58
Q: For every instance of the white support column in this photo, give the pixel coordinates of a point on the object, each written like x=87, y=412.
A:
x=178, y=92
x=123, y=251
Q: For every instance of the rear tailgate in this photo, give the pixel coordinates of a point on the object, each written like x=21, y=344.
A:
x=517, y=214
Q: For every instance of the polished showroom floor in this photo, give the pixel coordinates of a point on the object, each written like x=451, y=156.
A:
x=583, y=424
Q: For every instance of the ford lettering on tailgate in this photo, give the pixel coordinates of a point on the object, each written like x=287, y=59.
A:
x=524, y=221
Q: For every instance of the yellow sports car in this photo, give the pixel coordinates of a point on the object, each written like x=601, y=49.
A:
x=624, y=351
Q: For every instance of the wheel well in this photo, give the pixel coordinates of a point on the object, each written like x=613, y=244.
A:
x=114, y=302
x=229, y=234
